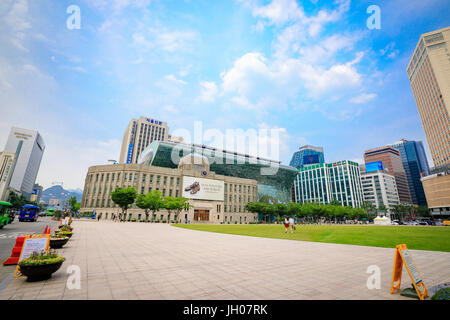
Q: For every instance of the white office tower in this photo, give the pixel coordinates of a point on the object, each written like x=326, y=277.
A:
x=138, y=135
x=7, y=161
x=28, y=146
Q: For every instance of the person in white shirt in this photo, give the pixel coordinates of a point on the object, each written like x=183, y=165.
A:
x=292, y=224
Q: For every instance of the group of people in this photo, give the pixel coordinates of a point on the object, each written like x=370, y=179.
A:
x=289, y=224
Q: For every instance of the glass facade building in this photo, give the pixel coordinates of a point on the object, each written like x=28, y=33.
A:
x=307, y=155
x=274, y=180
x=321, y=183
x=415, y=163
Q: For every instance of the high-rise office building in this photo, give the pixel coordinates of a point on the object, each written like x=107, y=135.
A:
x=7, y=162
x=28, y=146
x=138, y=135
x=392, y=161
x=322, y=183
x=429, y=75
x=379, y=186
x=415, y=164
x=307, y=155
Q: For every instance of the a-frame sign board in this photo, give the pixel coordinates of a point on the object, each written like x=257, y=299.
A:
x=402, y=256
x=36, y=243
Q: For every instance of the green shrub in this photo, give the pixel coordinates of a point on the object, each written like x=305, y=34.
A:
x=442, y=294
x=133, y=220
x=40, y=259
x=64, y=233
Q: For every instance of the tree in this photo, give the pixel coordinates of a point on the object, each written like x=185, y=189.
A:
x=382, y=209
x=181, y=204
x=155, y=202
x=124, y=197
x=73, y=205
x=258, y=207
x=17, y=201
x=143, y=202
x=170, y=204
x=370, y=209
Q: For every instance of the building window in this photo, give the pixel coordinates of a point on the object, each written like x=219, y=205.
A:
x=144, y=176
x=178, y=182
x=151, y=178
x=158, y=179
x=164, y=180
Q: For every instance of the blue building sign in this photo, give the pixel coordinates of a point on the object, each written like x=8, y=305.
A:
x=130, y=153
x=374, y=166
x=311, y=159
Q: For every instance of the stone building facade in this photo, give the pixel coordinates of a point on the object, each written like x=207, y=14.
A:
x=228, y=205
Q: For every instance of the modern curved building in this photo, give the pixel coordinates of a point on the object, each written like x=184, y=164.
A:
x=217, y=183
x=274, y=180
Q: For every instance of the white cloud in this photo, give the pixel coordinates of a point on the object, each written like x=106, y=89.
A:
x=208, y=92
x=15, y=22
x=363, y=98
x=174, y=79
x=161, y=39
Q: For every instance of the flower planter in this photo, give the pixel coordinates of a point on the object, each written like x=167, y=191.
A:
x=58, y=243
x=65, y=234
x=40, y=272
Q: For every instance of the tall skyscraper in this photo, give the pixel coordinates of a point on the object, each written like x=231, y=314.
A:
x=415, y=164
x=429, y=75
x=322, y=183
x=28, y=146
x=307, y=155
x=392, y=161
x=7, y=162
x=138, y=135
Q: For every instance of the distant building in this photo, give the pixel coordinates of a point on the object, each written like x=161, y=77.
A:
x=307, y=155
x=138, y=135
x=391, y=157
x=379, y=187
x=37, y=193
x=7, y=162
x=175, y=139
x=429, y=75
x=415, y=164
x=322, y=183
x=437, y=192
x=29, y=147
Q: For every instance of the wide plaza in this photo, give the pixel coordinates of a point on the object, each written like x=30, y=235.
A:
x=159, y=261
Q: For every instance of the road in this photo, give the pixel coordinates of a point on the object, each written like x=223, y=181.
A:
x=8, y=237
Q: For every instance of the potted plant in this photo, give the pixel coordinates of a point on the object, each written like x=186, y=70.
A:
x=65, y=228
x=64, y=233
x=40, y=266
x=58, y=240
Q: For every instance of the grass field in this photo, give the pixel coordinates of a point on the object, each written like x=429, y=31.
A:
x=415, y=237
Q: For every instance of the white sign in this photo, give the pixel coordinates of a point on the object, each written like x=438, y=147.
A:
x=204, y=189
x=31, y=245
x=411, y=266
x=65, y=222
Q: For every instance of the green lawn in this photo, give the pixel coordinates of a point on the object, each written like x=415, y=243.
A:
x=415, y=237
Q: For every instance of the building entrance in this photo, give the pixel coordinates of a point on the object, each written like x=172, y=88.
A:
x=201, y=215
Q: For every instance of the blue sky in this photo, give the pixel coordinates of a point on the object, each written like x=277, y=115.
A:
x=311, y=69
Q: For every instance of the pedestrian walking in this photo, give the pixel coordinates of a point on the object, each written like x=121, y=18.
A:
x=286, y=224
x=292, y=224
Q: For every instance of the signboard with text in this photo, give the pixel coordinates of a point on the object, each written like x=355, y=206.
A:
x=403, y=257
x=203, y=189
x=37, y=243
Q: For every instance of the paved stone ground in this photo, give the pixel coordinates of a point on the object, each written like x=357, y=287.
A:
x=158, y=261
